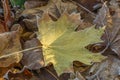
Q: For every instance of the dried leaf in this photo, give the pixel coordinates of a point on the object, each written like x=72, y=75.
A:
x=96, y=48
x=33, y=59
x=28, y=36
x=2, y=29
x=64, y=76
x=79, y=76
x=102, y=17
x=46, y=73
x=35, y=3
x=7, y=15
x=17, y=27
x=10, y=43
x=111, y=38
x=58, y=7
x=22, y=75
x=3, y=70
x=90, y=5
x=54, y=13
x=108, y=69
x=31, y=24
x=80, y=67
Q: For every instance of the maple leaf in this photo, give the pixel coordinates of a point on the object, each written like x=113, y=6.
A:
x=62, y=45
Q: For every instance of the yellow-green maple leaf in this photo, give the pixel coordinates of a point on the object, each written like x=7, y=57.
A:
x=62, y=45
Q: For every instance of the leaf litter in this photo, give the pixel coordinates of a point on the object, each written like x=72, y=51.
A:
x=47, y=40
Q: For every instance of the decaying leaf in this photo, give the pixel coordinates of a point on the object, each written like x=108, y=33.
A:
x=23, y=34
x=31, y=24
x=28, y=35
x=33, y=59
x=35, y=3
x=54, y=12
x=64, y=76
x=2, y=29
x=90, y=5
x=4, y=70
x=114, y=4
x=108, y=69
x=111, y=38
x=10, y=43
x=22, y=75
x=46, y=73
x=80, y=67
x=17, y=27
x=62, y=45
x=54, y=7
x=58, y=44
x=58, y=7
x=8, y=19
x=4, y=23
x=29, y=19
x=102, y=17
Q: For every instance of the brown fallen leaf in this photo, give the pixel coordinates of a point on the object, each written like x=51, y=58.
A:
x=33, y=59
x=31, y=24
x=111, y=38
x=54, y=12
x=45, y=73
x=64, y=76
x=113, y=5
x=10, y=45
x=102, y=17
x=2, y=29
x=80, y=67
x=17, y=27
x=22, y=75
x=28, y=36
x=57, y=8
x=24, y=35
x=90, y=5
x=35, y=3
x=108, y=69
x=4, y=70
x=86, y=18
x=28, y=19
x=54, y=7
x=8, y=19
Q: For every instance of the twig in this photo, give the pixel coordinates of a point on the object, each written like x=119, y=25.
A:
x=20, y=52
x=93, y=15
x=52, y=74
